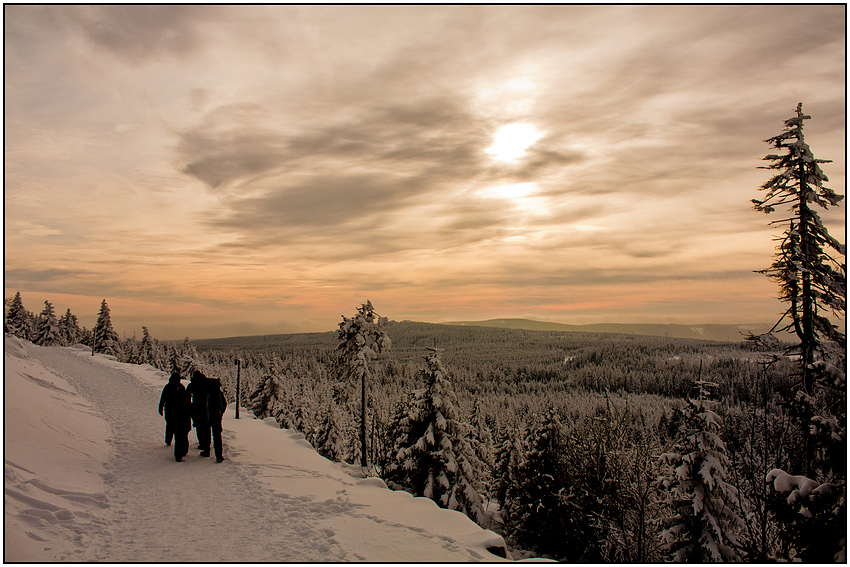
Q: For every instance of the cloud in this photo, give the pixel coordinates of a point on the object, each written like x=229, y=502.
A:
x=343, y=175
x=238, y=141
x=321, y=202
x=52, y=274
x=244, y=153
x=141, y=33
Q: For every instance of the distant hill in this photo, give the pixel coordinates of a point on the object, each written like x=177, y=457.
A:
x=417, y=332
x=727, y=333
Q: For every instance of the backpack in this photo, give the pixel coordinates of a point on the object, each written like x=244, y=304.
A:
x=216, y=403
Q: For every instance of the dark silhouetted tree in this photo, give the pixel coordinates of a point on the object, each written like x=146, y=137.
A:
x=538, y=503
x=812, y=276
x=807, y=266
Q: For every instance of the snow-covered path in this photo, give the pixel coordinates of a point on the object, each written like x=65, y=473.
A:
x=169, y=511
x=122, y=497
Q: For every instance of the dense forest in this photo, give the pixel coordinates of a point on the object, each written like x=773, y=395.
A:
x=608, y=406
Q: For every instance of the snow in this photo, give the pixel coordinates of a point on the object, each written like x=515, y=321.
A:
x=88, y=477
x=800, y=487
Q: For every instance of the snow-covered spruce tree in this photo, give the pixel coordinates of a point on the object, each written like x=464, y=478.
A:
x=438, y=461
x=807, y=266
x=69, y=327
x=482, y=442
x=47, y=333
x=263, y=398
x=172, y=355
x=351, y=443
x=132, y=351
x=106, y=340
x=703, y=526
x=506, y=461
x=86, y=337
x=287, y=397
x=187, y=359
x=537, y=507
x=303, y=410
x=361, y=338
x=811, y=510
x=150, y=352
x=383, y=439
x=328, y=439
x=7, y=307
x=17, y=321
x=398, y=433
x=811, y=274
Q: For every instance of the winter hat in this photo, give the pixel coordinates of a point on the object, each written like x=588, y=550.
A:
x=175, y=377
x=197, y=375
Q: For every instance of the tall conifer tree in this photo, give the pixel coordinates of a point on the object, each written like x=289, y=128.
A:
x=17, y=318
x=538, y=506
x=808, y=267
x=437, y=460
x=703, y=526
x=70, y=328
x=361, y=338
x=812, y=277
x=506, y=462
x=47, y=332
x=106, y=340
x=149, y=354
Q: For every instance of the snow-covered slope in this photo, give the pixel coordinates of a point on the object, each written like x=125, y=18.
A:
x=88, y=477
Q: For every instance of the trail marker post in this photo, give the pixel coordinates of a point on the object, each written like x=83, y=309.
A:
x=238, y=365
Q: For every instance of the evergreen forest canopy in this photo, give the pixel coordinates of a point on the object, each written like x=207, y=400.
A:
x=592, y=447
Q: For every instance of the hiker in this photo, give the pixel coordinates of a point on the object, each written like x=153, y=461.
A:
x=216, y=406
x=175, y=403
x=197, y=393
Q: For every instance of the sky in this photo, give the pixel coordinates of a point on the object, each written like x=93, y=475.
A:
x=216, y=171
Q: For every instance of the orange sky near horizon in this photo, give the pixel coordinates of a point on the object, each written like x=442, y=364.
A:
x=218, y=171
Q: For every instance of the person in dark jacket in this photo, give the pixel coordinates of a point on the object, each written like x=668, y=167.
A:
x=216, y=406
x=174, y=405
x=197, y=392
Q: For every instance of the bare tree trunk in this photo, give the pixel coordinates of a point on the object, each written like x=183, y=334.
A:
x=807, y=341
x=363, y=460
x=808, y=250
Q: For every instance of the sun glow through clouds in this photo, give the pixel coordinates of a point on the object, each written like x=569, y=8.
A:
x=520, y=194
x=514, y=191
x=511, y=141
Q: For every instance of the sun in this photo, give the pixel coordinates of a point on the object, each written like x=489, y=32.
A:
x=511, y=140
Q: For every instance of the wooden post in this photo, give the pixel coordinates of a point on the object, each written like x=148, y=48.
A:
x=238, y=365
x=363, y=462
